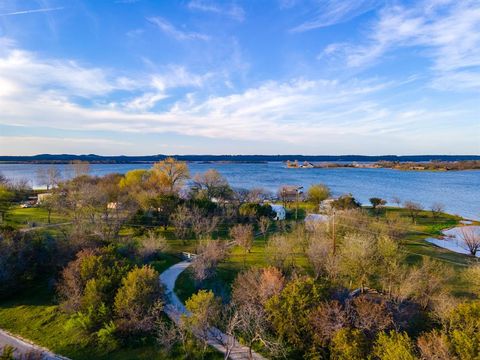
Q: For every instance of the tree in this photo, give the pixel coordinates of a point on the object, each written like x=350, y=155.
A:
x=6, y=200
x=472, y=275
x=376, y=202
x=317, y=193
x=152, y=244
x=413, y=209
x=394, y=345
x=289, y=312
x=437, y=209
x=434, y=346
x=212, y=185
x=427, y=281
x=257, y=286
x=345, y=202
x=349, y=344
x=205, y=310
x=359, y=259
x=138, y=300
x=396, y=200
x=470, y=237
x=242, y=235
x=463, y=329
x=264, y=224
x=80, y=168
x=182, y=221
x=49, y=177
x=281, y=250
x=209, y=254
x=171, y=174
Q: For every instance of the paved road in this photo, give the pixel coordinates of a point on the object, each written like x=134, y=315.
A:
x=175, y=308
x=23, y=347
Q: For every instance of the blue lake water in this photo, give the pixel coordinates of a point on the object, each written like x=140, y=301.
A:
x=459, y=191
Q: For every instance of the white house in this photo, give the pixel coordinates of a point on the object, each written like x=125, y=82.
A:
x=280, y=212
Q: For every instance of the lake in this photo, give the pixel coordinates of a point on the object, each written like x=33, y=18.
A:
x=459, y=191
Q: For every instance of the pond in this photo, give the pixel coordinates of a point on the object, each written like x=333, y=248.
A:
x=454, y=239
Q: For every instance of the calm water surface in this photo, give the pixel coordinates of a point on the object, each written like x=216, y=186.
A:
x=459, y=191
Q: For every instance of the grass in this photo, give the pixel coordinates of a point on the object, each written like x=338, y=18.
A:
x=33, y=315
x=24, y=217
x=414, y=242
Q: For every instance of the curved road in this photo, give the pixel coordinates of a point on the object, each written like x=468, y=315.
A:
x=175, y=308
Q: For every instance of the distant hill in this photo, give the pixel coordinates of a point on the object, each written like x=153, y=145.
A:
x=121, y=159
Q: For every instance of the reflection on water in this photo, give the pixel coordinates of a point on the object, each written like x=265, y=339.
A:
x=453, y=239
x=459, y=191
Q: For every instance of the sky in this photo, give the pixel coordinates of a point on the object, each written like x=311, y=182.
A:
x=137, y=77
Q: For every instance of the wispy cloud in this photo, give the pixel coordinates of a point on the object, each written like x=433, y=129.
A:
x=331, y=12
x=447, y=32
x=231, y=10
x=32, y=11
x=319, y=114
x=174, y=32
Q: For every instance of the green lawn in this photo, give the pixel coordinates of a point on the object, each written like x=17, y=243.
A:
x=25, y=217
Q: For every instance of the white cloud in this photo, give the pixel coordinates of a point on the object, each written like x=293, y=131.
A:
x=447, y=31
x=302, y=113
x=231, y=10
x=331, y=12
x=174, y=32
x=32, y=11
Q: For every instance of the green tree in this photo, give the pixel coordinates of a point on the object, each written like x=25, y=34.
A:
x=345, y=202
x=289, y=311
x=377, y=202
x=394, y=346
x=463, y=328
x=348, y=344
x=138, y=300
x=205, y=311
x=317, y=193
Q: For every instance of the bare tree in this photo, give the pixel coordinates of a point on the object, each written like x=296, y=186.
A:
x=436, y=209
x=182, y=221
x=211, y=184
x=396, y=200
x=151, y=244
x=242, y=235
x=202, y=225
x=49, y=177
x=413, y=209
x=80, y=168
x=209, y=254
x=471, y=239
x=264, y=225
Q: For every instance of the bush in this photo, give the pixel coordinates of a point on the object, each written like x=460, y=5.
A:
x=394, y=345
x=349, y=344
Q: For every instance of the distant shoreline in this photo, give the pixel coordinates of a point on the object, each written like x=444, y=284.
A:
x=148, y=159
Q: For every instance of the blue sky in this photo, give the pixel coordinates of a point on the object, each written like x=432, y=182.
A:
x=230, y=77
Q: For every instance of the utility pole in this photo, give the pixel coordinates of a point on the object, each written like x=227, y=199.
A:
x=333, y=232
x=297, y=190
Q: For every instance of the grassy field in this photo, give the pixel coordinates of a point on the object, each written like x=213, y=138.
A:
x=414, y=243
x=26, y=217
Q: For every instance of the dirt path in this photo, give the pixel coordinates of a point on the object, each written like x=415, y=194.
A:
x=175, y=308
x=23, y=347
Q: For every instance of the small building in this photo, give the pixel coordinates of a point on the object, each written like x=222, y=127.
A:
x=316, y=218
x=280, y=212
x=42, y=197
